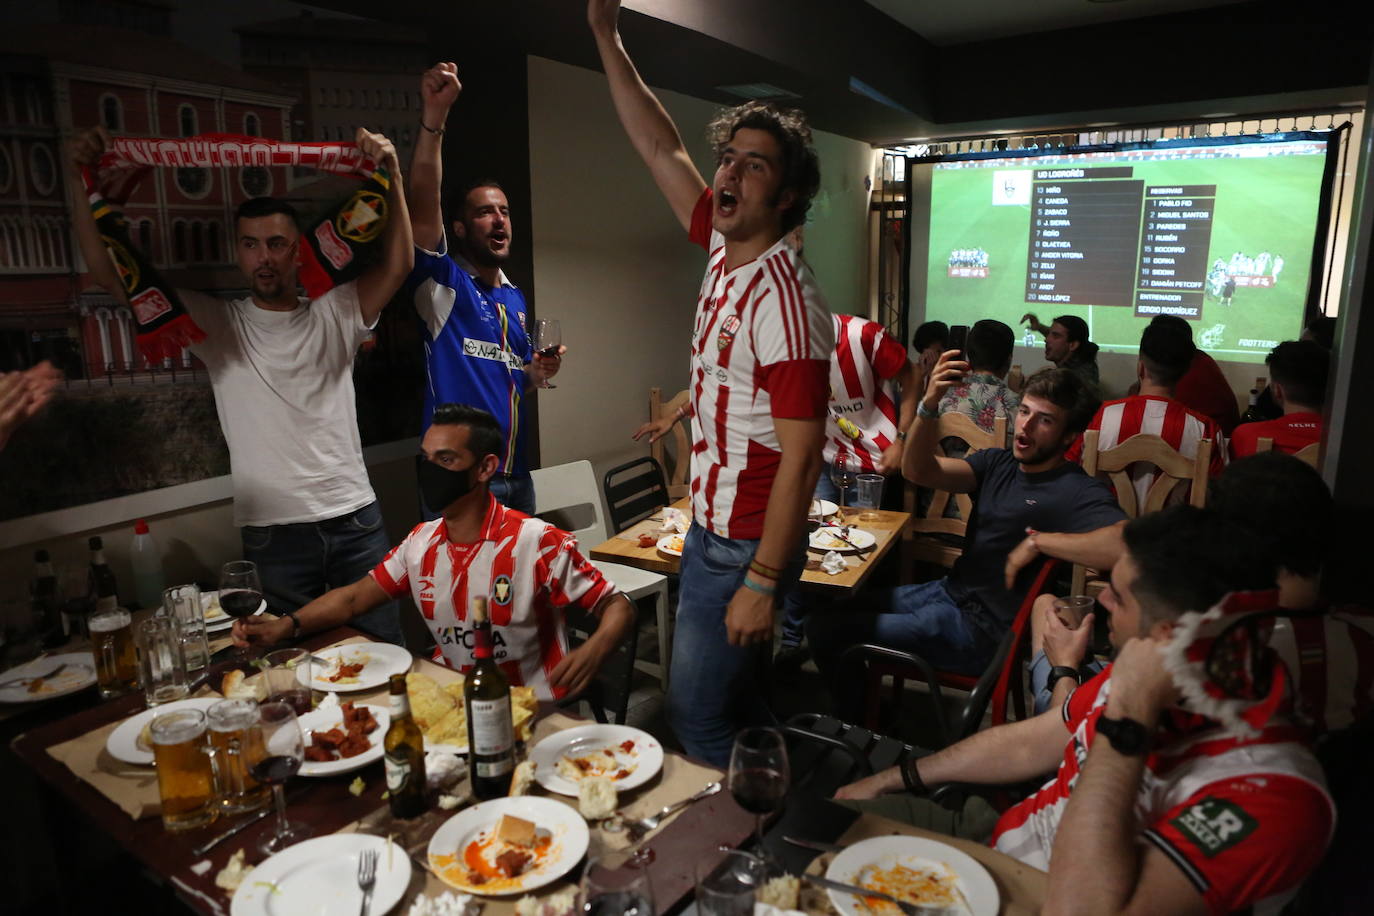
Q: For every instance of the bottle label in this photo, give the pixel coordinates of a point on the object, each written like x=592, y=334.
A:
x=400, y=705
x=494, y=767
x=106, y=603
x=397, y=772
x=492, y=732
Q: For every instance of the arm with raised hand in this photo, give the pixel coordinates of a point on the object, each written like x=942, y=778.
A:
x=83, y=151
x=439, y=89
x=920, y=464
x=648, y=125
x=380, y=281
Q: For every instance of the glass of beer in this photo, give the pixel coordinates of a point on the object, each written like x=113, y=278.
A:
x=236, y=741
x=161, y=664
x=116, y=656
x=185, y=771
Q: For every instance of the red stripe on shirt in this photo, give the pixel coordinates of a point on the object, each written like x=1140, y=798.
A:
x=784, y=297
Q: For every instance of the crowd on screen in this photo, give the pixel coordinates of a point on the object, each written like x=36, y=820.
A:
x=1203, y=793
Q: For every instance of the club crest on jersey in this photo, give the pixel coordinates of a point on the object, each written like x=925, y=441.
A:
x=728, y=329
x=501, y=590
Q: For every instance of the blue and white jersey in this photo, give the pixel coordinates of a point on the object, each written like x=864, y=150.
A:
x=476, y=344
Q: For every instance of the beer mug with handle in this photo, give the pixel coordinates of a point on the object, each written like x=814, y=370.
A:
x=236, y=745
x=116, y=657
x=161, y=665
x=182, y=604
x=186, y=780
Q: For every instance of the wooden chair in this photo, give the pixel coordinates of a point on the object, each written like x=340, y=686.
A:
x=1001, y=685
x=676, y=465
x=930, y=537
x=1312, y=454
x=1172, y=469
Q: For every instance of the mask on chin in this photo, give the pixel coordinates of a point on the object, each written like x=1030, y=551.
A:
x=441, y=487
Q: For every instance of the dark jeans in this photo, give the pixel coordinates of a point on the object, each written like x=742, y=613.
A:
x=300, y=562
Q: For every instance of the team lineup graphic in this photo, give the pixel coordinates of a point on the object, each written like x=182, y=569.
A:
x=1220, y=236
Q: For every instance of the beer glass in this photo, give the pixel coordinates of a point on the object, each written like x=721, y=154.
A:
x=236, y=740
x=116, y=657
x=869, y=497
x=161, y=665
x=185, y=771
x=1072, y=609
x=182, y=604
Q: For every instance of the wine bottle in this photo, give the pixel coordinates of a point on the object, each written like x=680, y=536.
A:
x=104, y=590
x=404, y=747
x=491, y=731
x=47, y=613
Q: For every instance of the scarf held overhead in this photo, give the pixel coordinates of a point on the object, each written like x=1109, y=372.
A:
x=328, y=258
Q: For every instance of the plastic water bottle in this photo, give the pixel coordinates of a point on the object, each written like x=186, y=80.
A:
x=147, y=562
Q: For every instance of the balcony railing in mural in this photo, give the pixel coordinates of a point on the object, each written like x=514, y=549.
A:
x=155, y=375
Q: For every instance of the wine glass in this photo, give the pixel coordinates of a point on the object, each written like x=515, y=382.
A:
x=282, y=751
x=240, y=592
x=548, y=337
x=842, y=476
x=759, y=774
x=613, y=892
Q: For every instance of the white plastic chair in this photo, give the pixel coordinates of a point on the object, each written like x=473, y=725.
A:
x=572, y=487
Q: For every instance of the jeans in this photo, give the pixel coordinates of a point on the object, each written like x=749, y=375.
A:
x=921, y=619
x=512, y=492
x=715, y=688
x=1040, y=676
x=799, y=603
x=301, y=561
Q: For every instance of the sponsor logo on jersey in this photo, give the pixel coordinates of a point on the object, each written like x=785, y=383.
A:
x=485, y=349
x=1214, y=825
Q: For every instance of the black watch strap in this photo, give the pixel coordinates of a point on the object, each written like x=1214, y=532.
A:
x=911, y=778
x=295, y=624
x=1127, y=736
x=1059, y=671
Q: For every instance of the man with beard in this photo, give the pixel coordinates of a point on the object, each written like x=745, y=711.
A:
x=475, y=325
x=1067, y=345
x=282, y=371
x=478, y=548
x=957, y=622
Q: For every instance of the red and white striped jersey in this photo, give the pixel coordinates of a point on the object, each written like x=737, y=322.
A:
x=1173, y=422
x=864, y=359
x=525, y=567
x=1331, y=658
x=761, y=349
x=1245, y=820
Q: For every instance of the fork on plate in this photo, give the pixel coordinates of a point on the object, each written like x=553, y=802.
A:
x=367, y=877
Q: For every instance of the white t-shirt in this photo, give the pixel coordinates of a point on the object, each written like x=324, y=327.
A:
x=283, y=386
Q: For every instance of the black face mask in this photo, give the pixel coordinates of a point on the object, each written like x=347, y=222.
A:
x=441, y=487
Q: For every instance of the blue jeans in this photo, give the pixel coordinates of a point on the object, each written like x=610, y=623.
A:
x=512, y=492
x=921, y=619
x=300, y=562
x=1040, y=676
x=715, y=688
x=799, y=603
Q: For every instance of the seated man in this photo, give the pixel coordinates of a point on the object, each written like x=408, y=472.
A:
x=1297, y=370
x=957, y=622
x=1203, y=387
x=1153, y=808
x=478, y=547
x=983, y=395
x=1165, y=353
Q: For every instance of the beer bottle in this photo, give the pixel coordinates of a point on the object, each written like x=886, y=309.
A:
x=47, y=614
x=104, y=590
x=405, y=756
x=491, y=731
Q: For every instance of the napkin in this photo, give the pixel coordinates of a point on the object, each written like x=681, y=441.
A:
x=834, y=563
x=675, y=521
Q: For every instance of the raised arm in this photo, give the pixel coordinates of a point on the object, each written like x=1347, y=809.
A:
x=380, y=281
x=920, y=464
x=83, y=151
x=439, y=89
x=652, y=132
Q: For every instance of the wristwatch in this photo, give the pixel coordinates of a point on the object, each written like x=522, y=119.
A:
x=296, y=625
x=1127, y=736
x=1059, y=671
x=901, y=435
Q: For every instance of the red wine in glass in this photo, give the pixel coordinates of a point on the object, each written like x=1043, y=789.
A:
x=758, y=790
x=298, y=699
x=276, y=769
x=240, y=602
x=759, y=775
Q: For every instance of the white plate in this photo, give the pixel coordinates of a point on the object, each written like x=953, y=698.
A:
x=647, y=753
x=886, y=851
x=568, y=846
x=665, y=544
x=322, y=720
x=123, y=741
x=861, y=539
x=221, y=621
x=384, y=660
x=821, y=508
x=78, y=675
x=321, y=876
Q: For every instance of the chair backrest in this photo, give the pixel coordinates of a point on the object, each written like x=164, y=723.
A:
x=957, y=426
x=609, y=692
x=634, y=490
x=675, y=465
x=569, y=491
x=1312, y=454
x=1171, y=469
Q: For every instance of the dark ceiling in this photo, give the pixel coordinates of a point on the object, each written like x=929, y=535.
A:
x=861, y=74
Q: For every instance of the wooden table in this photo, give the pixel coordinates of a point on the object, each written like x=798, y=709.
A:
x=624, y=548
x=324, y=803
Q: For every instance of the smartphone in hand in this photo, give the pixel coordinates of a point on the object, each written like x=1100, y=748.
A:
x=958, y=339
